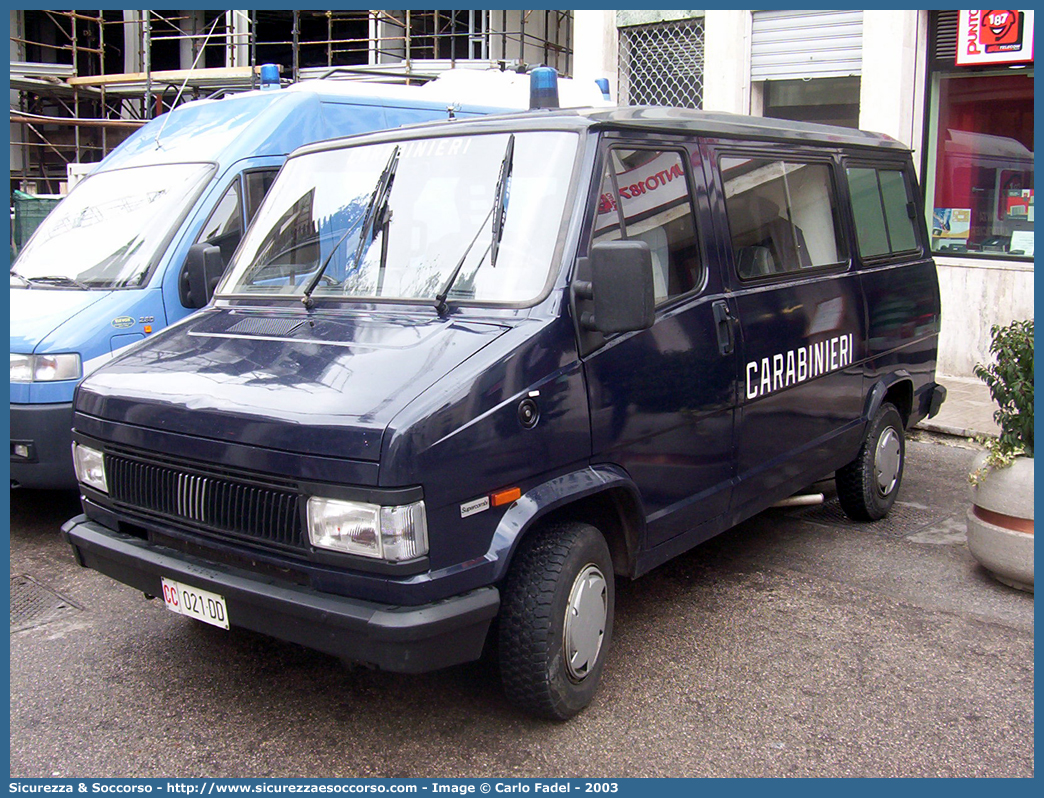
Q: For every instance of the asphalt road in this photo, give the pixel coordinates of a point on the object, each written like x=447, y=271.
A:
x=795, y=645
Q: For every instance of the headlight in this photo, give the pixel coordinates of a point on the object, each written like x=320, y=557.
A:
x=21, y=368
x=90, y=467
x=45, y=368
x=386, y=533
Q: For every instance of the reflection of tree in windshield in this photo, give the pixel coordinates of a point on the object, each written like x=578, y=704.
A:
x=298, y=243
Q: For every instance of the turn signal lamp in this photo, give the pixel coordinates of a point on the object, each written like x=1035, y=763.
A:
x=506, y=496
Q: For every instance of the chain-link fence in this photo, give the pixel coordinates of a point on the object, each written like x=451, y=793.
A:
x=662, y=64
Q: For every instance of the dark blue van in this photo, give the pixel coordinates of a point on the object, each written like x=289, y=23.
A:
x=460, y=377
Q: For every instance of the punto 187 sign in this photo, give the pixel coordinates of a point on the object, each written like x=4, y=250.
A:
x=994, y=37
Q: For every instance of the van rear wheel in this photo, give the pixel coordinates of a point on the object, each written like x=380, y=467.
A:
x=867, y=486
x=556, y=620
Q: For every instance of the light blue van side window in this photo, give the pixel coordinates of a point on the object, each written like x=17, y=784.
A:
x=233, y=212
x=224, y=228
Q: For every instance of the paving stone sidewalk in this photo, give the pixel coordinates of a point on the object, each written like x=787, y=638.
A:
x=967, y=411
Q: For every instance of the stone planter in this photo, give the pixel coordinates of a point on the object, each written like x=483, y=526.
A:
x=1000, y=522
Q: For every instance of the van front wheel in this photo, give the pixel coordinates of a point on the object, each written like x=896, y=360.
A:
x=556, y=620
x=867, y=486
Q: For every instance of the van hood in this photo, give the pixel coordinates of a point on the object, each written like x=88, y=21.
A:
x=38, y=312
x=325, y=384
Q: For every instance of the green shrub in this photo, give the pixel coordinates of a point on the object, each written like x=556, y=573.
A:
x=1010, y=380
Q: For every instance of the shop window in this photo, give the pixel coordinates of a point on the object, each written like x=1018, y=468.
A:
x=981, y=201
x=884, y=211
x=644, y=196
x=781, y=216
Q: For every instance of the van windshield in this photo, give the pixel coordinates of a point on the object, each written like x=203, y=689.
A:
x=396, y=221
x=107, y=233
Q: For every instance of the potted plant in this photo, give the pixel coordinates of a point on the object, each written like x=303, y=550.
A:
x=1000, y=521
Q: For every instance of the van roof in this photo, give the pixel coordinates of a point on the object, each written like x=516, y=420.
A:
x=650, y=119
x=266, y=122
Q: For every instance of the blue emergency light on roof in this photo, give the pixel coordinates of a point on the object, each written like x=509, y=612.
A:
x=543, y=88
x=269, y=76
x=603, y=84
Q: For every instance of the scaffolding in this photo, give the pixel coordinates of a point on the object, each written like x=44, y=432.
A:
x=82, y=81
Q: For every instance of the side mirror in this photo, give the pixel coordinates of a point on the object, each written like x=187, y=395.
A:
x=200, y=274
x=621, y=288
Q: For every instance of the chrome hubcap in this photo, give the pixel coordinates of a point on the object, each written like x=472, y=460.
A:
x=886, y=461
x=585, y=622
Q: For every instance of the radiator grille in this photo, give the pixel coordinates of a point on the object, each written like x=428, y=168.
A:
x=208, y=503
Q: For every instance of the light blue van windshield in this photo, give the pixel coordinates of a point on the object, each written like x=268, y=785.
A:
x=476, y=218
x=108, y=231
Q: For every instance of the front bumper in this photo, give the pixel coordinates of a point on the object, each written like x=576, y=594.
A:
x=402, y=639
x=46, y=431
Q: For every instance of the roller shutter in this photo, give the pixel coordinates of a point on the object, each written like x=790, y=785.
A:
x=793, y=45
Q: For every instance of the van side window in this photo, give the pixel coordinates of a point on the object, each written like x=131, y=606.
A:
x=780, y=215
x=644, y=195
x=224, y=228
x=883, y=209
x=257, y=184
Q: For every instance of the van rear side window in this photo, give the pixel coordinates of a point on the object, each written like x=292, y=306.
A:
x=781, y=216
x=883, y=210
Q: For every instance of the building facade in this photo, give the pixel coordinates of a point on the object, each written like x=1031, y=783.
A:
x=957, y=87
x=81, y=81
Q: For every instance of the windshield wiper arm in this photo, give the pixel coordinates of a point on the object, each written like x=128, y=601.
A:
x=56, y=279
x=378, y=199
x=377, y=214
x=17, y=276
x=497, y=212
x=501, y=199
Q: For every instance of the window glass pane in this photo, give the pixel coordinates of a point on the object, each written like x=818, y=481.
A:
x=317, y=223
x=257, y=185
x=224, y=228
x=982, y=199
x=652, y=195
x=896, y=201
x=117, y=223
x=871, y=233
x=780, y=214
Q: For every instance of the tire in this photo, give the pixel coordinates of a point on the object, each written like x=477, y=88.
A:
x=551, y=661
x=867, y=486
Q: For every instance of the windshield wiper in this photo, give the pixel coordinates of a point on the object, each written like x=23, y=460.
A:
x=17, y=276
x=500, y=201
x=497, y=211
x=378, y=202
x=56, y=279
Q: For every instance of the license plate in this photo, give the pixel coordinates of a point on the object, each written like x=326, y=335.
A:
x=195, y=603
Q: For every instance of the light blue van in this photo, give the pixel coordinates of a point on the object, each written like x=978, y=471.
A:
x=107, y=267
